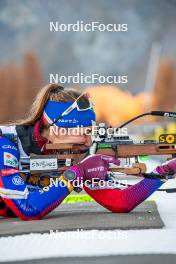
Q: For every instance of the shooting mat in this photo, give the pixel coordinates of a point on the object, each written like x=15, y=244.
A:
x=87, y=216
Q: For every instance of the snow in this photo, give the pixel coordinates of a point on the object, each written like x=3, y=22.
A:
x=95, y=243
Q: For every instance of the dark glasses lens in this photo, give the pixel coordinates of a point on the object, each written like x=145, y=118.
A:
x=83, y=104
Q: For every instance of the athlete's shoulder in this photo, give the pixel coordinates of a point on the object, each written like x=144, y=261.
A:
x=8, y=134
x=7, y=144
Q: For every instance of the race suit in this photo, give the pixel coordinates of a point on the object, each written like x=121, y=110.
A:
x=16, y=197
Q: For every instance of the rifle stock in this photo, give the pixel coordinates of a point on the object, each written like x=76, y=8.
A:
x=120, y=151
x=132, y=150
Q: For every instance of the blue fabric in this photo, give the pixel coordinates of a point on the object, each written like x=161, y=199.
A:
x=15, y=193
x=54, y=109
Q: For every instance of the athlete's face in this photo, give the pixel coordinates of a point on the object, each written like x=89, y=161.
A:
x=81, y=136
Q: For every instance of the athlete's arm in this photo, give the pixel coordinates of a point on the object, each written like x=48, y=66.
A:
x=123, y=201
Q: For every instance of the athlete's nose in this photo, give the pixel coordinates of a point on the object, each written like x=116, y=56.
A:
x=88, y=141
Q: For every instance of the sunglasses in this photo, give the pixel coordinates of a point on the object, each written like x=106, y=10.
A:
x=82, y=103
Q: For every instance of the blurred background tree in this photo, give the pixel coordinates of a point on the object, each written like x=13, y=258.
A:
x=21, y=82
x=18, y=87
x=29, y=52
x=164, y=91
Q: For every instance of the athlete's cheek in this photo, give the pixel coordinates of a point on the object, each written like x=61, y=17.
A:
x=79, y=139
x=88, y=141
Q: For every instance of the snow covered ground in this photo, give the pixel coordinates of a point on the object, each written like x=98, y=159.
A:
x=99, y=243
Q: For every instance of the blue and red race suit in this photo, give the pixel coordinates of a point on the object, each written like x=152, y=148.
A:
x=16, y=199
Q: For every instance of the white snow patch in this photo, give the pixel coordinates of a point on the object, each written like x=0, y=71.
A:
x=96, y=243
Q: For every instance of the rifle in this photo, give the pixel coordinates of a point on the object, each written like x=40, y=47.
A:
x=121, y=147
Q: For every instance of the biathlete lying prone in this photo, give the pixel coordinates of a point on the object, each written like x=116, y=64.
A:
x=20, y=200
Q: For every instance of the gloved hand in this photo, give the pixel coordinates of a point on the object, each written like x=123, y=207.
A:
x=94, y=166
x=166, y=168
